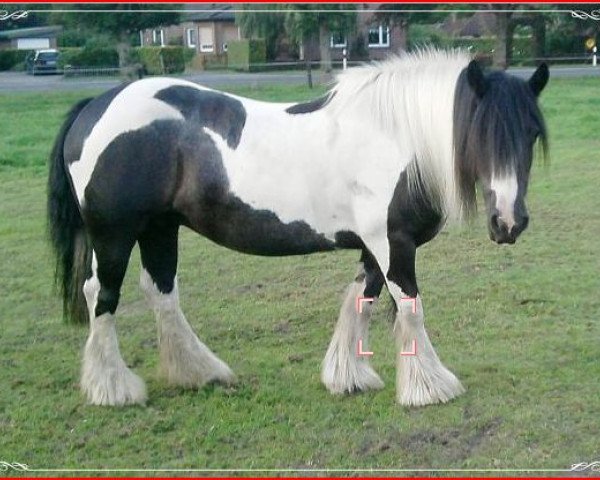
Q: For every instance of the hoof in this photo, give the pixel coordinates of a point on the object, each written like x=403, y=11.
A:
x=349, y=377
x=113, y=387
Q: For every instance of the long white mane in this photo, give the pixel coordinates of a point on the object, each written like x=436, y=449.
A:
x=412, y=98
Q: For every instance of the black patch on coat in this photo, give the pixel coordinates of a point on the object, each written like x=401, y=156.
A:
x=86, y=121
x=136, y=175
x=348, y=239
x=374, y=279
x=412, y=221
x=412, y=212
x=312, y=106
x=172, y=167
x=158, y=249
x=216, y=111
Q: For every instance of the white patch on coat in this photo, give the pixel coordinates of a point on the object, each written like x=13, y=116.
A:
x=184, y=359
x=410, y=99
x=343, y=370
x=336, y=168
x=133, y=108
x=506, y=189
x=91, y=288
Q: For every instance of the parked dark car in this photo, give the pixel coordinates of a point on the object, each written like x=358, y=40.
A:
x=42, y=61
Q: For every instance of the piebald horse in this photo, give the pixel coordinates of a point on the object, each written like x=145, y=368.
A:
x=393, y=152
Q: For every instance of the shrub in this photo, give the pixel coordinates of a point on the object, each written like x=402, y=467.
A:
x=173, y=59
x=89, y=57
x=562, y=44
x=188, y=55
x=245, y=54
x=13, y=59
x=160, y=60
x=72, y=38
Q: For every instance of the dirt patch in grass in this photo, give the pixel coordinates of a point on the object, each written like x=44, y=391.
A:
x=450, y=445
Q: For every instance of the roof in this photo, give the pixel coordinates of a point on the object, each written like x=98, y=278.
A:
x=34, y=32
x=209, y=12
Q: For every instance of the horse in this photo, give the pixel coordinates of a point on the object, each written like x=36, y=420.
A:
x=393, y=152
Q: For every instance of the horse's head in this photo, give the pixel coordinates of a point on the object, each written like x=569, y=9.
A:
x=498, y=126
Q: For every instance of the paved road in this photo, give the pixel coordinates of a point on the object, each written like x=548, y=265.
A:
x=11, y=82
x=560, y=72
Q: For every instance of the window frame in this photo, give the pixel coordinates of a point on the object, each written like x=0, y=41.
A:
x=332, y=43
x=188, y=39
x=380, y=31
x=162, y=36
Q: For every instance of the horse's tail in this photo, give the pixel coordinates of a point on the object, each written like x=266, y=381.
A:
x=65, y=226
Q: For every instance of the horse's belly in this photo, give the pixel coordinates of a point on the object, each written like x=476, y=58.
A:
x=234, y=224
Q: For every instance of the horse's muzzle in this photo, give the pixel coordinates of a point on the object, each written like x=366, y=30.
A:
x=500, y=231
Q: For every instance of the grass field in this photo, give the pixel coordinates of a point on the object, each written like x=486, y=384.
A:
x=518, y=325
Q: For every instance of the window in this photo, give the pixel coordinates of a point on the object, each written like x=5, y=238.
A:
x=338, y=40
x=379, y=36
x=206, y=39
x=191, y=37
x=158, y=37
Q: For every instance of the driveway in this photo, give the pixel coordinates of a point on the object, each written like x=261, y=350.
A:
x=11, y=82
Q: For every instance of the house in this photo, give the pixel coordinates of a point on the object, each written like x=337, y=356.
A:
x=33, y=38
x=208, y=30
x=373, y=39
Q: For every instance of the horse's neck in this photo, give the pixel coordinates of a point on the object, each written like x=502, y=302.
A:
x=421, y=121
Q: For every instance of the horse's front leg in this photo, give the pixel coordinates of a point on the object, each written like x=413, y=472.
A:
x=421, y=378
x=346, y=367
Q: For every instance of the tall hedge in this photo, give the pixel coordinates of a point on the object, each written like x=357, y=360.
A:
x=245, y=54
x=99, y=57
x=160, y=60
x=12, y=59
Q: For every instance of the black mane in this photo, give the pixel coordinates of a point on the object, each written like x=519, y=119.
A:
x=312, y=106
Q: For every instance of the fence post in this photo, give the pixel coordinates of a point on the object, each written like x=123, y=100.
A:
x=344, y=60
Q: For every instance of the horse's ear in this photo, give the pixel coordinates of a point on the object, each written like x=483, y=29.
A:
x=539, y=79
x=476, y=78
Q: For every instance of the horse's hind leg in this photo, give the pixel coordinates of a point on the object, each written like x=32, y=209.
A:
x=344, y=369
x=184, y=359
x=105, y=378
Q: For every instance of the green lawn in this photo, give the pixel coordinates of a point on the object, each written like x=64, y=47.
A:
x=518, y=325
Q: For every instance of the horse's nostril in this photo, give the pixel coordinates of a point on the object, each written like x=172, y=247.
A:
x=520, y=226
x=494, y=221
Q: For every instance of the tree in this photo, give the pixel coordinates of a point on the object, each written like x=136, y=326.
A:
x=311, y=25
x=568, y=33
x=267, y=25
x=119, y=22
x=504, y=34
x=307, y=25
